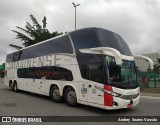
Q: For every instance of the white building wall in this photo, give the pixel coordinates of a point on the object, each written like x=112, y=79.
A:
x=1, y=61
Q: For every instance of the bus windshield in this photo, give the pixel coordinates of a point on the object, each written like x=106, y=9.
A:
x=123, y=76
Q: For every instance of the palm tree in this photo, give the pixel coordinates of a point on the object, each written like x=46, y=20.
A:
x=33, y=34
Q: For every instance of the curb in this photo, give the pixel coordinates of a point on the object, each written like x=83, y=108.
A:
x=149, y=97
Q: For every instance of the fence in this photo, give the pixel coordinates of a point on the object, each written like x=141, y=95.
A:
x=148, y=79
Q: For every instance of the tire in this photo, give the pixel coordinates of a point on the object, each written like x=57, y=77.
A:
x=70, y=97
x=10, y=85
x=55, y=94
x=15, y=87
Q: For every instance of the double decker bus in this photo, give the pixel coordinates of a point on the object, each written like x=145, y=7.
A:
x=90, y=66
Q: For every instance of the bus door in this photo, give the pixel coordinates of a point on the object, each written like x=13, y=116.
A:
x=95, y=85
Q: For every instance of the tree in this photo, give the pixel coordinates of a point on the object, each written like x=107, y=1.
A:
x=2, y=68
x=33, y=34
x=156, y=70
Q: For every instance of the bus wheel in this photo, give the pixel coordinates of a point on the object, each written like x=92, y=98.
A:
x=15, y=88
x=10, y=85
x=55, y=94
x=70, y=97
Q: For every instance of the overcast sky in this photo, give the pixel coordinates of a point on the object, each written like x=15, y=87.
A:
x=137, y=21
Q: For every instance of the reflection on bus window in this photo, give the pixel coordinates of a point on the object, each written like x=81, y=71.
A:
x=95, y=72
x=47, y=72
x=116, y=73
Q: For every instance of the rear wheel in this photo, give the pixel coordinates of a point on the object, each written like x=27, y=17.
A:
x=70, y=97
x=55, y=94
x=15, y=87
x=10, y=85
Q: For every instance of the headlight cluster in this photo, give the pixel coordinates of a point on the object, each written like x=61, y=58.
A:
x=108, y=92
x=112, y=93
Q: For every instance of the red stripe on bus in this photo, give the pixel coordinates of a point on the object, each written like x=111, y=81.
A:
x=108, y=99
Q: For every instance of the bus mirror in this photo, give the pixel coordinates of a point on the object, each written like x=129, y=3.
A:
x=105, y=51
x=145, y=58
x=114, y=52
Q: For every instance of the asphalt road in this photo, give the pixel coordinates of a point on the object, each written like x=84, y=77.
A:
x=29, y=104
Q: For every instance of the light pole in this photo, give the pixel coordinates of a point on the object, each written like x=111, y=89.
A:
x=75, y=5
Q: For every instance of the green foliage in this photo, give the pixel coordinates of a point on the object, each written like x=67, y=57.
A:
x=34, y=33
x=156, y=68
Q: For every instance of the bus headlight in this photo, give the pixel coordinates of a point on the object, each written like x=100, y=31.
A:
x=108, y=92
x=112, y=93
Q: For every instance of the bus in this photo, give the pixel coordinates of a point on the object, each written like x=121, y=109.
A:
x=90, y=66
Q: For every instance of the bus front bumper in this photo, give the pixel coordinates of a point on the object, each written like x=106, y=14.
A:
x=119, y=103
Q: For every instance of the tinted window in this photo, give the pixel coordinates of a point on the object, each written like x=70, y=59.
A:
x=85, y=59
x=9, y=57
x=85, y=38
x=51, y=72
x=59, y=45
x=97, y=37
x=113, y=40
x=95, y=72
x=16, y=55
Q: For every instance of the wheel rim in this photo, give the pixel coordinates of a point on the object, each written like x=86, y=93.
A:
x=56, y=94
x=71, y=96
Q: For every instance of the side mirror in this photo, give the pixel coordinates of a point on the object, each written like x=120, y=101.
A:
x=145, y=58
x=105, y=51
x=112, y=51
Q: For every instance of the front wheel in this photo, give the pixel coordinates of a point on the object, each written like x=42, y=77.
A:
x=55, y=94
x=70, y=97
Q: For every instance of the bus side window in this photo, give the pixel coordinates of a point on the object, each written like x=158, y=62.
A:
x=95, y=72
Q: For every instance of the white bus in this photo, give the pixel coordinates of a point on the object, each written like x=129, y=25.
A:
x=90, y=66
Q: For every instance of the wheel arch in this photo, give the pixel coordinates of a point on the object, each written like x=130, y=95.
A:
x=72, y=86
x=55, y=84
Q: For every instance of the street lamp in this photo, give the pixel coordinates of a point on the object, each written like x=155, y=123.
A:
x=75, y=5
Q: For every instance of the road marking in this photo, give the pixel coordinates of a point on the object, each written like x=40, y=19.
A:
x=149, y=97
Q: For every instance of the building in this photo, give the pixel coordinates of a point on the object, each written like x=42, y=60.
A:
x=1, y=71
x=1, y=65
x=143, y=65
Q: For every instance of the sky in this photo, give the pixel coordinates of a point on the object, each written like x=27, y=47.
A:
x=137, y=21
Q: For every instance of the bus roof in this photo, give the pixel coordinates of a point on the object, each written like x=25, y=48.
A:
x=98, y=37
x=83, y=38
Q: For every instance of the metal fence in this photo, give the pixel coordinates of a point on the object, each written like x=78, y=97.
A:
x=148, y=79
